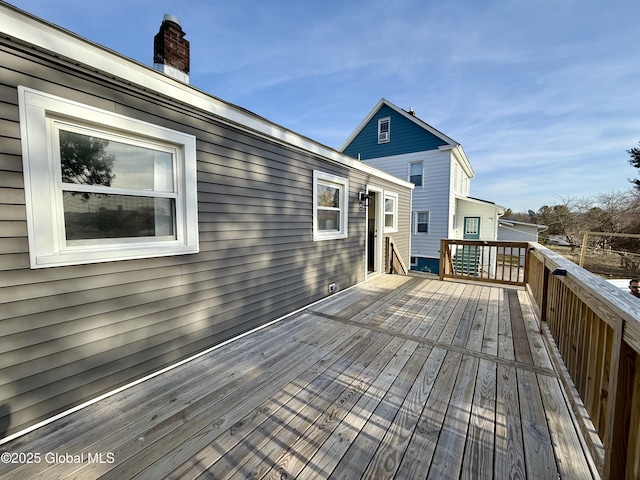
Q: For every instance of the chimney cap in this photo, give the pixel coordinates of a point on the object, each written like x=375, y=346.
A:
x=171, y=18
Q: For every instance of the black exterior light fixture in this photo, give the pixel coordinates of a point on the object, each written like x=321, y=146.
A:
x=364, y=198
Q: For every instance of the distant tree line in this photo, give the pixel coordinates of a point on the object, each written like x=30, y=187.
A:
x=617, y=212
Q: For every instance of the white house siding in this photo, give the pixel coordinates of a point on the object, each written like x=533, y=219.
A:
x=459, y=184
x=71, y=333
x=487, y=214
x=518, y=233
x=433, y=196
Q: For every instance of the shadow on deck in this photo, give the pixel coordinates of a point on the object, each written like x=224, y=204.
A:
x=401, y=377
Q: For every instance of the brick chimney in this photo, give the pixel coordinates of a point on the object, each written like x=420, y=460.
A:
x=171, y=50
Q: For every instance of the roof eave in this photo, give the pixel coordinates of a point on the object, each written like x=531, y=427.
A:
x=425, y=126
x=461, y=157
x=46, y=36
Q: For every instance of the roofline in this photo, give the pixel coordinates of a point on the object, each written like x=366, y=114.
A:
x=481, y=202
x=461, y=157
x=539, y=226
x=452, y=145
x=23, y=26
x=416, y=120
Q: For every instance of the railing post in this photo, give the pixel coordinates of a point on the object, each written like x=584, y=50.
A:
x=616, y=436
x=544, y=296
x=388, y=253
x=443, y=262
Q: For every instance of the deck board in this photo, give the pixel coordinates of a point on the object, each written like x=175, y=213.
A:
x=397, y=378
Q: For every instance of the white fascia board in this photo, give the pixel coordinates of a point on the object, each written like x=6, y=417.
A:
x=460, y=156
x=361, y=125
x=482, y=202
x=512, y=223
x=46, y=36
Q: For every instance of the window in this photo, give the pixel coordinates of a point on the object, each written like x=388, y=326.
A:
x=415, y=173
x=330, y=217
x=383, y=129
x=103, y=187
x=390, y=212
x=421, y=222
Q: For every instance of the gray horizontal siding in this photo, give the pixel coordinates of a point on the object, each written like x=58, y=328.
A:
x=71, y=333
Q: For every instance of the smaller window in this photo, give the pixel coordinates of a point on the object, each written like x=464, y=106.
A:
x=383, y=129
x=415, y=173
x=422, y=222
x=472, y=225
x=390, y=212
x=330, y=217
x=414, y=261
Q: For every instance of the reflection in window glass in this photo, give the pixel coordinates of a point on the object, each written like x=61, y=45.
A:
x=99, y=216
x=89, y=160
x=415, y=174
x=328, y=196
x=389, y=212
x=328, y=204
x=329, y=220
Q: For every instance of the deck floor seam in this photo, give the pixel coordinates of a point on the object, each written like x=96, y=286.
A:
x=434, y=343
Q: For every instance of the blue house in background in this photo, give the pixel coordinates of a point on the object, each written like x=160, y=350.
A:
x=398, y=142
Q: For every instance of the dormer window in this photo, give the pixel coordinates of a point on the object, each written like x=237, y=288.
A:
x=383, y=129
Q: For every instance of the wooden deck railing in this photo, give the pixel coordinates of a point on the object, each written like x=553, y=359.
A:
x=496, y=262
x=393, y=259
x=594, y=329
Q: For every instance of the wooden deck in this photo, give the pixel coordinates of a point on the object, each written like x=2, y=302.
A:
x=400, y=377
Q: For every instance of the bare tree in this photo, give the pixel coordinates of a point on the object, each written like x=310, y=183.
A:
x=634, y=160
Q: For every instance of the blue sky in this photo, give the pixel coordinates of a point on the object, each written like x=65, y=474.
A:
x=543, y=96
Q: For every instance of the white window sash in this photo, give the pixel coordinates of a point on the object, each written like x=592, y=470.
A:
x=40, y=115
x=342, y=184
x=393, y=212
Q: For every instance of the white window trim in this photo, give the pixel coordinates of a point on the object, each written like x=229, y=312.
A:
x=343, y=184
x=393, y=196
x=387, y=136
x=415, y=222
x=45, y=218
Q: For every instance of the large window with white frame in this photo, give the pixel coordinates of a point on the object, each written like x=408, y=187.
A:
x=330, y=206
x=104, y=187
x=390, y=212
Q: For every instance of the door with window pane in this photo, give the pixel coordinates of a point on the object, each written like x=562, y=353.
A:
x=471, y=228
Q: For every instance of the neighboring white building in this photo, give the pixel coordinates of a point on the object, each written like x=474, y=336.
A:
x=398, y=142
x=513, y=230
